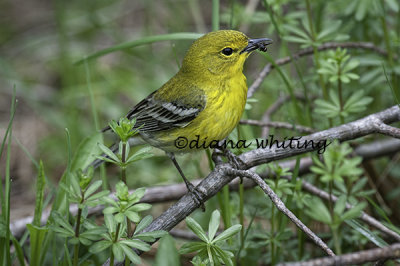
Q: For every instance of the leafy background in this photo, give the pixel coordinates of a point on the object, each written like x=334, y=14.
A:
x=42, y=41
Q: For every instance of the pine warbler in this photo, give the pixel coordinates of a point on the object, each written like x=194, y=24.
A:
x=204, y=101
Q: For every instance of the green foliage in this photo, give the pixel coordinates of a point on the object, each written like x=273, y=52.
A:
x=127, y=205
x=104, y=56
x=124, y=128
x=337, y=165
x=167, y=254
x=209, y=250
x=302, y=33
x=339, y=66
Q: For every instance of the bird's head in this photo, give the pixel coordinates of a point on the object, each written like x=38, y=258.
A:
x=221, y=52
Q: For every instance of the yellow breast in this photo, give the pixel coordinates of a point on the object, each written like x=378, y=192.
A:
x=223, y=110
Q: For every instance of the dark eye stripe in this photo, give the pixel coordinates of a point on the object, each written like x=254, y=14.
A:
x=227, y=51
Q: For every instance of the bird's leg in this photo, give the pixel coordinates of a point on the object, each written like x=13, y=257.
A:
x=234, y=160
x=197, y=195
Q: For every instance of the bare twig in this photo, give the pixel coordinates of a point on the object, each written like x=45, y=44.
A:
x=387, y=130
x=309, y=51
x=364, y=216
x=376, y=254
x=299, y=128
x=281, y=206
x=273, y=108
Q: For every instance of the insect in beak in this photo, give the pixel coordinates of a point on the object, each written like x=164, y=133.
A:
x=257, y=44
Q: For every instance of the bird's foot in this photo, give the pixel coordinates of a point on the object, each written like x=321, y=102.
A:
x=196, y=194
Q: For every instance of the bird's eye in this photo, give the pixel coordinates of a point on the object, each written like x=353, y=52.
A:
x=227, y=51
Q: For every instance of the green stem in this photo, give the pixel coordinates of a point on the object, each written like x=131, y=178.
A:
x=123, y=177
x=215, y=15
x=227, y=209
x=340, y=94
x=316, y=55
x=388, y=46
x=241, y=212
x=77, y=228
x=330, y=202
x=336, y=241
x=123, y=159
x=299, y=114
x=115, y=240
x=273, y=235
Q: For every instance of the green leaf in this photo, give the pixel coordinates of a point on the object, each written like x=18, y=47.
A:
x=393, y=4
x=133, y=216
x=100, y=246
x=97, y=196
x=142, y=41
x=224, y=255
x=140, y=207
x=359, y=185
x=119, y=217
x=340, y=205
x=196, y=228
x=318, y=211
x=92, y=188
x=354, y=212
x=137, y=194
x=133, y=257
x=141, y=154
x=192, y=247
x=167, y=254
x=228, y=233
x=110, y=210
x=118, y=251
x=136, y=244
x=214, y=224
x=84, y=154
x=62, y=232
x=40, y=186
x=143, y=223
x=109, y=153
x=37, y=236
x=151, y=236
x=61, y=221
x=374, y=238
x=19, y=251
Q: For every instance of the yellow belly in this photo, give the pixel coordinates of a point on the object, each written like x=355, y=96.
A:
x=222, y=113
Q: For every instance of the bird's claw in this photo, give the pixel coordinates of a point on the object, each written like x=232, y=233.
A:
x=197, y=195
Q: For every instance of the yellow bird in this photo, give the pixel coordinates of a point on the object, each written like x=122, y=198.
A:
x=204, y=101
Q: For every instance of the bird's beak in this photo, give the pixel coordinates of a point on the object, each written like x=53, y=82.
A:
x=254, y=44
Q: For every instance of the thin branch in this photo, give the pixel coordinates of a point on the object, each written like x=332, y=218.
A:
x=285, y=125
x=275, y=107
x=364, y=216
x=371, y=255
x=309, y=51
x=281, y=206
x=388, y=130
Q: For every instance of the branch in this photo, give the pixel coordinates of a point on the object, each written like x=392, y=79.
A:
x=353, y=130
x=376, y=254
x=275, y=107
x=309, y=51
x=281, y=206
